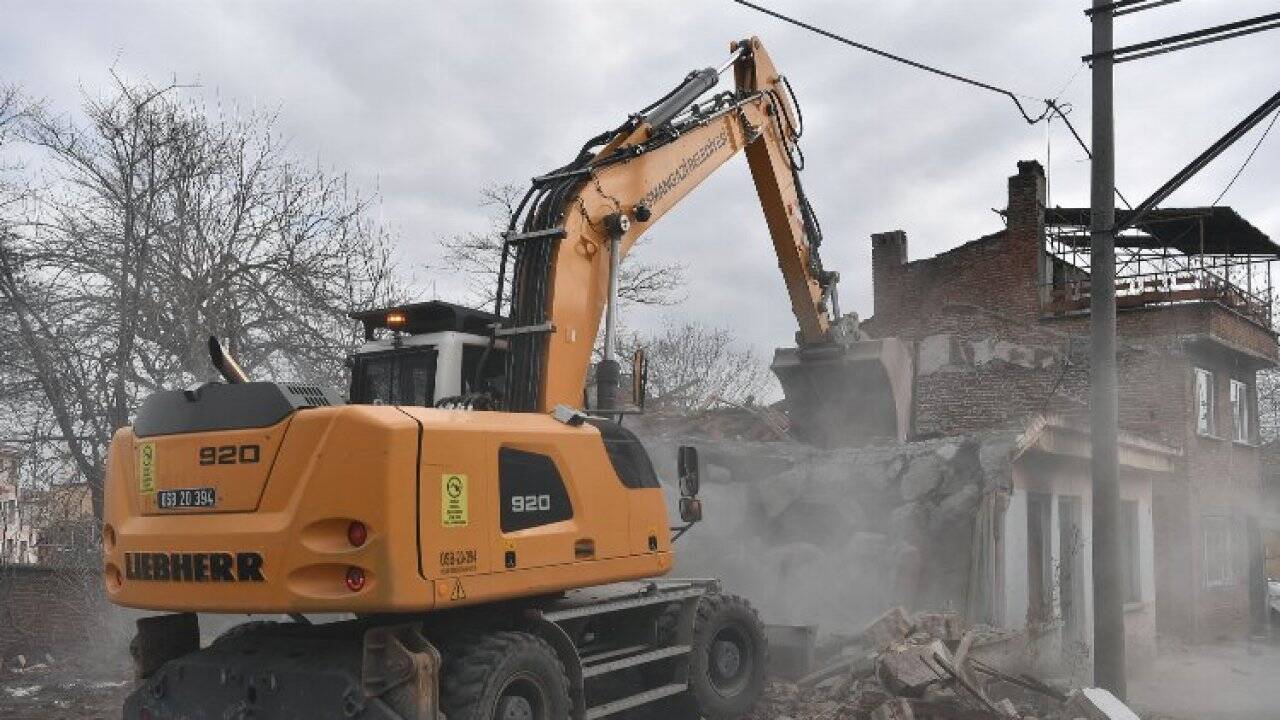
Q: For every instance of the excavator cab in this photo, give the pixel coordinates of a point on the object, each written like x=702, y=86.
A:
x=426, y=354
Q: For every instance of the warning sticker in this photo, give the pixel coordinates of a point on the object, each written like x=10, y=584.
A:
x=453, y=500
x=146, y=467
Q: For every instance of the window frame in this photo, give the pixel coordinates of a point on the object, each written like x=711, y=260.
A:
x=1218, y=572
x=1210, y=427
x=1241, y=415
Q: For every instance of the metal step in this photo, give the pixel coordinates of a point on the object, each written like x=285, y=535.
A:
x=610, y=654
x=662, y=653
x=636, y=700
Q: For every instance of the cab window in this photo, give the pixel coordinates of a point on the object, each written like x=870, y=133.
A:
x=396, y=377
x=495, y=368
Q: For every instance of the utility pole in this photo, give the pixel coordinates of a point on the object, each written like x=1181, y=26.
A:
x=1108, y=598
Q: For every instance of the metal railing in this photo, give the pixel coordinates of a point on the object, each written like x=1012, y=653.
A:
x=1170, y=287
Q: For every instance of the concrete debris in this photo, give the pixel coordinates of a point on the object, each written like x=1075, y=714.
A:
x=907, y=669
x=890, y=628
x=947, y=626
x=923, y=668
x=1098, y=704
x=895, y=709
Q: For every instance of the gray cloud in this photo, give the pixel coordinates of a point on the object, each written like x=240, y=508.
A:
x=427, y=102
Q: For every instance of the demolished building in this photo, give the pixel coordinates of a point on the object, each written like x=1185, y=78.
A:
x=1001, y=326
x=986, y=507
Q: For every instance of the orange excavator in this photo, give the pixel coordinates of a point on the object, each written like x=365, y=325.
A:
x=462, y=536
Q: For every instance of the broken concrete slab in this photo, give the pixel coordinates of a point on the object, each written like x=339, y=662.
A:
x=909, y=669
x=891, y=627
x=1098, y=704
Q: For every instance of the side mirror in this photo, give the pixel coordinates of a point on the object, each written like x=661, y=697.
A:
x=639, y=377
x=687, y=466
x=690, y=509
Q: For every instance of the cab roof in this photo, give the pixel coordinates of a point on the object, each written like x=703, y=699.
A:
x=426, y=317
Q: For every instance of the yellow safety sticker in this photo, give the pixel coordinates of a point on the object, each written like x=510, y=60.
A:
x=146, y=467
x=453, y=500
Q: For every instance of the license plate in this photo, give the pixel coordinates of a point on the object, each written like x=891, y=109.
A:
x=186, y=498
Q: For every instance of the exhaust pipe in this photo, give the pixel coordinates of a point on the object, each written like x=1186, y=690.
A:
x=225, y=364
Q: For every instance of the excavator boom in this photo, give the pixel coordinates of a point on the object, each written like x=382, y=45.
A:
x=575, y=218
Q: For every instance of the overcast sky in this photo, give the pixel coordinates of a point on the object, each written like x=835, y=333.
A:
x=428, y=101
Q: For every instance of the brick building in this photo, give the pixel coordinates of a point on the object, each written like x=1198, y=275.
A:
x=1000, y=331
x=18, y=534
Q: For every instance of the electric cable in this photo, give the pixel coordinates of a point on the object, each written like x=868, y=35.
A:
x=1051, y=106
x=1245, y=164
x=1057, y=110
x=907, y=61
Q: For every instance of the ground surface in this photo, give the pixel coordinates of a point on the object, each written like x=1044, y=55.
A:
x=62, y=690
x=1235, y=682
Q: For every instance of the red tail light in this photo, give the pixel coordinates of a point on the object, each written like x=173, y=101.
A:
x=355, y=579
x=357, y=533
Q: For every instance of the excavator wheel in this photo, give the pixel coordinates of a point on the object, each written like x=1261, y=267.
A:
x=504, y=676
x=727, y=661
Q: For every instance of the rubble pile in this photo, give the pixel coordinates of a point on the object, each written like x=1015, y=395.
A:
x=925, y=668
x=833, y=536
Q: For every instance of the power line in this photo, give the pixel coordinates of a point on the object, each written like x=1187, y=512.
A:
x=1057, y=110
x=1051, y=106
x=907, y=61
x=1245, y=164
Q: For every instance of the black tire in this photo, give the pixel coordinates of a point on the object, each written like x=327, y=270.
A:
x=727, y=661
x=504, y=676
x=247, y=628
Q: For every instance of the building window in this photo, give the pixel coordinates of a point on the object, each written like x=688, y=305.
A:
x=1204, y=402
x=1039, y=557
x=1219, y=560
x=1240, y=411
x=1130, y=551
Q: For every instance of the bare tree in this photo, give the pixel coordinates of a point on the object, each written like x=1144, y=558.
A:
x=692, y=367
x=478, y=255
x=162, y=223
x=1268, y=387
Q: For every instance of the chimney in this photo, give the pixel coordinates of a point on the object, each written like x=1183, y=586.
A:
x=1025, y=213
x=888, y=256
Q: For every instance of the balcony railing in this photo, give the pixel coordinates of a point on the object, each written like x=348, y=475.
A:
x=1163, y=288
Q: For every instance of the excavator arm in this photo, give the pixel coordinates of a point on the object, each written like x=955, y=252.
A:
x=609, y=197
x=577, y=223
